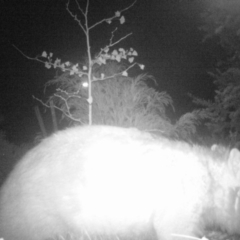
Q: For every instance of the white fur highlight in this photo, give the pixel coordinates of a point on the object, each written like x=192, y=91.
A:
x=116, y=181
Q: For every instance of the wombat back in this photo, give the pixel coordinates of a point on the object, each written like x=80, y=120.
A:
x=110, y=181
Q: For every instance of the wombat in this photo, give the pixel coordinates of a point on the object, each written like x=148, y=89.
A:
x=112, y=181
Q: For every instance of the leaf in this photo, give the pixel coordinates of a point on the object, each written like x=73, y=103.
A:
x=50, y=55
x=57, y=63
x=131, y=59
x=44, y=54
x=109, y=21
x=117, y=14
x=47, y=65
x=101, y=60
x=122, y=20
x=125, y=73
x=67, y=64
x=134, y=53
x=85, y=68
x=115, y=53
x=118, y=58
x=141, y=66
x=106, y=49
x=75, y=68
x=121, y=50
x=106, y=56
x=102, y=75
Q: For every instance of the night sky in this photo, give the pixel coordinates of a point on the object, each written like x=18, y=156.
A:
x=165, y=33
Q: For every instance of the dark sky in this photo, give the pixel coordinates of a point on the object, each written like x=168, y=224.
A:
x=165, y=35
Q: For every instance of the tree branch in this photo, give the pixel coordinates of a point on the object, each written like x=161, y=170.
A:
x=117, y=15
x=74, y=16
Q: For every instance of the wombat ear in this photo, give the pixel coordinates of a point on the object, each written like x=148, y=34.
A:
x=234, y=161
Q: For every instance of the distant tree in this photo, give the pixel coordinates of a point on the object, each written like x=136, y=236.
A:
x=223, y=112
x=222, y=22
x=222, y=115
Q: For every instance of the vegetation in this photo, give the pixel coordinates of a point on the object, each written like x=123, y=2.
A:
x=222, y=22
x=100, y=90
x=111, y=97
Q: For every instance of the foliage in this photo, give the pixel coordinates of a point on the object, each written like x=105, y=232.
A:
x=224, y=112
x=120, y=100
x=222, y=21
x=186, y=126
x=111, y=97
x=105, y=54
